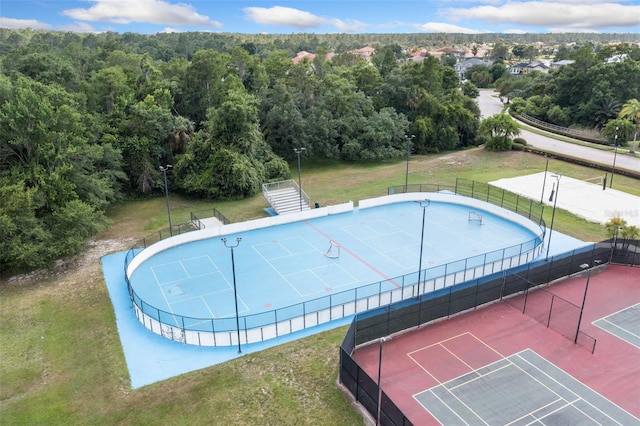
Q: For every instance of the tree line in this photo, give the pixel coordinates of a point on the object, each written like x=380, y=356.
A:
x=86, y=120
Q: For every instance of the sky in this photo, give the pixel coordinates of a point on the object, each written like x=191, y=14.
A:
x=324, y=16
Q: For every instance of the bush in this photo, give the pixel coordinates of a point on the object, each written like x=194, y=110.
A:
x=520, y=141
x=517, y=146
x=498, y=144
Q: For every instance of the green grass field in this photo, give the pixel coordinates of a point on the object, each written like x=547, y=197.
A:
x=60, y=356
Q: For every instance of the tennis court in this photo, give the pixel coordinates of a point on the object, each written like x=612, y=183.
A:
x=624, y=324
x=374, y=251
x=521, y=389
x=495, y=365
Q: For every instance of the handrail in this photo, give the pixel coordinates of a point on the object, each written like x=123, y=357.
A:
x=552, y=126
x=268, y=188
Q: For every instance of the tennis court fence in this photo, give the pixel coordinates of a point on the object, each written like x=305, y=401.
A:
x=518, y=287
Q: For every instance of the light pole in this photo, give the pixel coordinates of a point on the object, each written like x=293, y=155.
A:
x=382, y=340
x=553, y=215
x=544, y=182
x=406, y=176
x=615, y=153
x=424, y=204
x=299, y=151
x=235, y=290
x=164, y=170
x=584, y=298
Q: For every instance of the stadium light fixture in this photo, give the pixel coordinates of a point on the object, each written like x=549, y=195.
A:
x=235, y=290
x=406, y=176
x=615, y=153
x=553, y=215
x=299, y=151
x=381, y=341
x=584, y=298
x=424, y=204
x=164, y=170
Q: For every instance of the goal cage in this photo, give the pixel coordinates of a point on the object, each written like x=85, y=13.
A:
x=333, y=252
x=475, y=217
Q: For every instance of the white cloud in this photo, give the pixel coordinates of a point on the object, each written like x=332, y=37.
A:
x=443, y=27
x=79, y=27
x=351, y=26
x=300, y=19
x=515, y=31
x=569, y=14
x=571, y=30
x=146, y=11
x=284, y=16
x=16, y=24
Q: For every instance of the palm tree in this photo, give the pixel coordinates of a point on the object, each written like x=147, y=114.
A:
x=631, y=111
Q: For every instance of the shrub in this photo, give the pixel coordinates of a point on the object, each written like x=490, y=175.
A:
x=520, y=141
x=498, y=144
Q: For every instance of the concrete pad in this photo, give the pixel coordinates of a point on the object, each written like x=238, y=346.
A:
x=584, y=199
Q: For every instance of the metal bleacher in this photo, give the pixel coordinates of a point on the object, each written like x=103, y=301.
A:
x=285, y=197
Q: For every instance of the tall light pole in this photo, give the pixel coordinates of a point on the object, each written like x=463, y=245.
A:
x=164, y=170
x=406, y=175
x=382, y=340
x=544, y=182
x=553, y=215
x=584, y=298
x=235, y=289
x=615, y=153
x=424, y=204
x=299, y=151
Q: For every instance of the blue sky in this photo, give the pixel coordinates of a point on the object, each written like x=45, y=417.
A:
x=324, y=16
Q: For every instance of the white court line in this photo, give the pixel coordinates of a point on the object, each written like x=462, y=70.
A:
x=636, y=306
x=565, y=387
x=164, y=296
x=536, y=419
x=616, y=326
x=446, y=405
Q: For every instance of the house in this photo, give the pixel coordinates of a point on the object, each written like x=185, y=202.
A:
x=303, y=55
x=438, y=53
x=617, y=58
x=521, y=68
x=562, y=63
x=461, y=67
x=366, y=52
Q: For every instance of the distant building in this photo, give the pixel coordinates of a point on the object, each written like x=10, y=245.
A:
x=366, y=52
x=521, y=68
x=562, y=63
x=461, y=67
x=303, y=55
x=617, y=58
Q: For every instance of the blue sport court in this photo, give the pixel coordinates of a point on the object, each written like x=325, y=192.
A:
x=310, y=271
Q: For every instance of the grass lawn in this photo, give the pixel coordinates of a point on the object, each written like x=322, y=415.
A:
x=60, y=356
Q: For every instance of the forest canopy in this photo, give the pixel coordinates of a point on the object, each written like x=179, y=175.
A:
x=87, y=119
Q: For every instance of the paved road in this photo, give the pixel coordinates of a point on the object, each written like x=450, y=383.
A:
x=490, y=105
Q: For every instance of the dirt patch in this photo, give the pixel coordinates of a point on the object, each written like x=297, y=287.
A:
x=95, y=249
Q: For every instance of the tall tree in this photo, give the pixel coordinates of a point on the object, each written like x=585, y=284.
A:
x=631, y=111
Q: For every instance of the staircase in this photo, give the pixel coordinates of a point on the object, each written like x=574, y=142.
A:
x=284, y=197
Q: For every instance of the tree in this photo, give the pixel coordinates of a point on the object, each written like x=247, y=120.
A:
x=497, y=132
x=470, y=90
x=621, y=127
x=54, y=182
x=631, y=111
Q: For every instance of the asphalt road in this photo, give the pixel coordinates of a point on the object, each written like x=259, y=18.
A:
x=490, y=104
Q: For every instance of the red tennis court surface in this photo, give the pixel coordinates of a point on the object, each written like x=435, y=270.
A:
x=415, y=361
